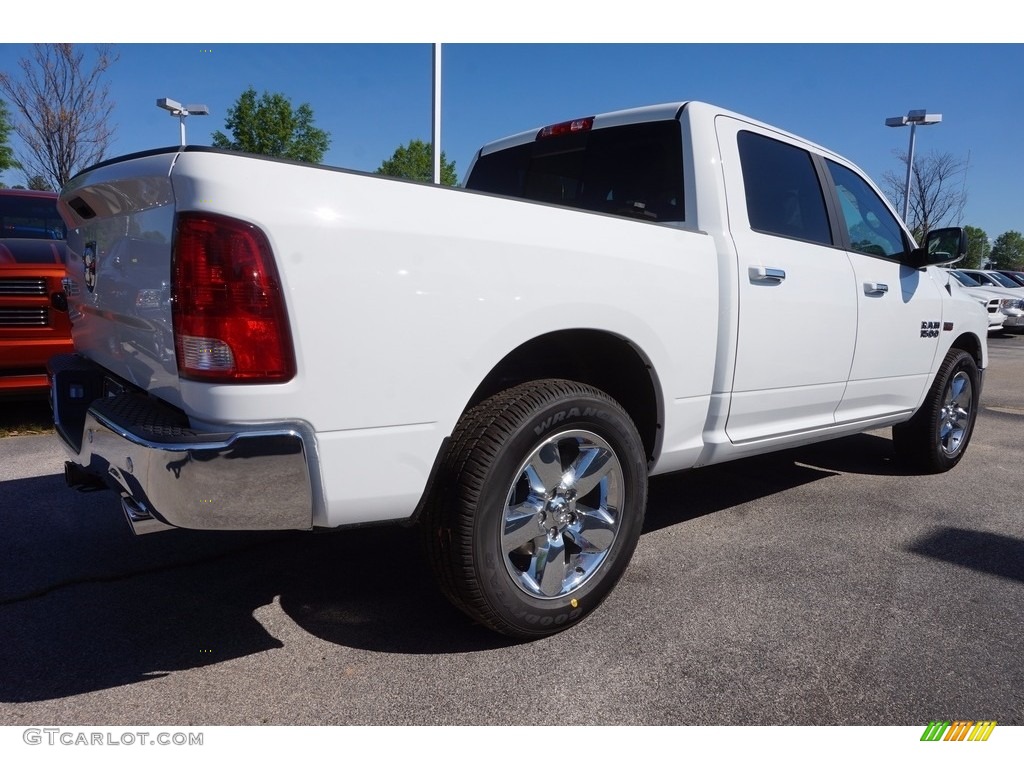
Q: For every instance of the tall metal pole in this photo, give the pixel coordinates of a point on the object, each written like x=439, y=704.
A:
x=910, y=168
x=436, y=140
x=181, y=119
x=914, y=118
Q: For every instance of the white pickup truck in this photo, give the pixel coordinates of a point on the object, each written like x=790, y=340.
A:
x=262, y=344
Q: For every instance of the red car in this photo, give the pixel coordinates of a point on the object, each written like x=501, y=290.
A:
x=34, y=323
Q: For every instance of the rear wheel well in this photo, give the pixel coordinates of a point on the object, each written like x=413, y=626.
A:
x=602, y=360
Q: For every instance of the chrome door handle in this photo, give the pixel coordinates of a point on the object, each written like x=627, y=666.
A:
x=875, y=289
x=767, y=275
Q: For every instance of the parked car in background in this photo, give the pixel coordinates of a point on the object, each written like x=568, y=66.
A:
x=995, y=279
x=1017, y=277
x=1005, y=307
x=34, y=324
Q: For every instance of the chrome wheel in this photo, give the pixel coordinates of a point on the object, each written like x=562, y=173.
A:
x=955, y=415
x=537, y=506
x=562, y=514
x=936, y=437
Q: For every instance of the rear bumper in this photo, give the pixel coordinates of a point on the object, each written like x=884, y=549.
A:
x=170, y=475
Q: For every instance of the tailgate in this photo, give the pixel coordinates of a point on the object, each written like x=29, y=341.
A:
x=120, y=219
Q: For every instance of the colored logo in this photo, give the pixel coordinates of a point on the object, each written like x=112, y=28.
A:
x=89, y=261
x=958, y=730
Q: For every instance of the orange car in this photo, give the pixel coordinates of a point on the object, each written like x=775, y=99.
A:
x=34, y=324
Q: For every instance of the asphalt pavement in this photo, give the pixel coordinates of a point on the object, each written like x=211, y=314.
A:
x=823, y=586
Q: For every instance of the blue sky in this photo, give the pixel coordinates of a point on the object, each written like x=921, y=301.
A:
x=374, y=97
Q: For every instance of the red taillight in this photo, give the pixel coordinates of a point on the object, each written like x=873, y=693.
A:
x=571, y=126
x=230, y=323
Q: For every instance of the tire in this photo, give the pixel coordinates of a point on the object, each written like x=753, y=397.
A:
x=537, y=507
x=935, y=439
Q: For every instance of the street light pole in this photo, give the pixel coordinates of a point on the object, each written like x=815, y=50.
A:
x=436, y=143
x=177, y=110
x=910, y=166
x=913, y=118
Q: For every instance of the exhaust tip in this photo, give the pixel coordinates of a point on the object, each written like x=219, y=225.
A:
x=141, y=519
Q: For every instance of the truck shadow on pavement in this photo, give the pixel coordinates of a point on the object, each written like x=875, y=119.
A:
x=682, y=496
x=864, y=454
x=86, y=606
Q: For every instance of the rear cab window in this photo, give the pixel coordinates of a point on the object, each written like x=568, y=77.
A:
x=634, y=170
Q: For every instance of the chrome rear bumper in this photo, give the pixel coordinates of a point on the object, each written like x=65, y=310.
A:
x=170, y=475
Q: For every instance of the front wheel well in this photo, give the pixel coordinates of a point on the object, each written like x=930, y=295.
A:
x=970, y=344
x=598, y=358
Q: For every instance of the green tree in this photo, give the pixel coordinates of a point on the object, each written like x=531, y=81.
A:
x=978, y=248
x=7, y=160
x=415, y=160
x=270, y=126
x=1008, y=251
x=40, y=183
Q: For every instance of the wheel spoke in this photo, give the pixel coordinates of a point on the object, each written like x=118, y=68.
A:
x=522, y=524
x=589, y=469
x=945, y=437
x=549, y=566
x=961, y=394
x=593, y=531
x=544, y=471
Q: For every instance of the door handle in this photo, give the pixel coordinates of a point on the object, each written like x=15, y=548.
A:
x=767, y=275
x=875, y=289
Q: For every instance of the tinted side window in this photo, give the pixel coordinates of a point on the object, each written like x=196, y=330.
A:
x=30, y=217
x=630, y=170
x=783, y=193
x=870, y=226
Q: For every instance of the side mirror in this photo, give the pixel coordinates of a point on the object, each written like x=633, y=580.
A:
x=942, y=246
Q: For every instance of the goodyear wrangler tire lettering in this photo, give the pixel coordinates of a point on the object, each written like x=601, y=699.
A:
x=563, y=415
x=544, y=488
